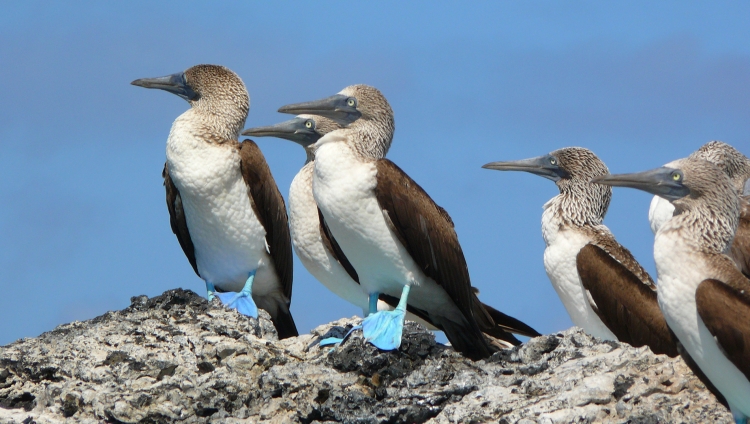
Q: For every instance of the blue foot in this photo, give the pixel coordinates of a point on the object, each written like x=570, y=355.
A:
x=331, y=341
x=337, y=341
x=383, y=329
x=243, y=301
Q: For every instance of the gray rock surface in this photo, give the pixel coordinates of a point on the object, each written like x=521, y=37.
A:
x=175, y=358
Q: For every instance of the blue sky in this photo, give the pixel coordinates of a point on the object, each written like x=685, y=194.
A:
x=83, y=222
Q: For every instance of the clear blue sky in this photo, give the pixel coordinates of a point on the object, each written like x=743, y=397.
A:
x=83, y=222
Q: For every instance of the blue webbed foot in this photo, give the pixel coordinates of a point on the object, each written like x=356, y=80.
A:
x=337, y=341
x=383, y=329
x=242, y=301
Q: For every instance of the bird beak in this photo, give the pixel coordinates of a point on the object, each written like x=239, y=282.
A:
x=334, y=107
x=293, y=130
x=541, y=166
x=175, y=84
x=657, y=181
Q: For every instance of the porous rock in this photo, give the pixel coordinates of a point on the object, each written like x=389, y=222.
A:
x=177, y=358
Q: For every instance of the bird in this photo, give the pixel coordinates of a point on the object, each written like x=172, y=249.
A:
x=312, y=240
x=737, y=167
x=224, y=206
x=396, y=237
x=704, y=297
x=602, y=286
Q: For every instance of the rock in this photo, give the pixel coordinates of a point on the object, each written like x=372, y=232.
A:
x=176, y=358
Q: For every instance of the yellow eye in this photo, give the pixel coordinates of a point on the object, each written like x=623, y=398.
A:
x=676, y=176
x=553, y=161
x=351, y=102
x=308, y=124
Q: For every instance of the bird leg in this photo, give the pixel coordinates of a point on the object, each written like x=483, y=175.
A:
x=383, y=329
x=211, y=290
x=243, y=301
x=373, y=303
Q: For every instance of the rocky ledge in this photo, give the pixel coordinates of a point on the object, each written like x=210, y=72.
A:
x=175, y=358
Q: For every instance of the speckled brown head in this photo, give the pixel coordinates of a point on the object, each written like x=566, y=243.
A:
x=728, y=159
x=571, y=168
x=707, y=206
x=217, y=95
x=360, y=108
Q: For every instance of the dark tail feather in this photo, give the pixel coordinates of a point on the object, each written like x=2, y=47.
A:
x=500, y=334
x=500, y=331
x=509, y=324
x=469, y=341
x=284, y=322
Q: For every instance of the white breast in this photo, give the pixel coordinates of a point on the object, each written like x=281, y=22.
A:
x=680, y=272
x=563, y=246
x=660, y=211
x=343, y=187
x=229, y=240
x=308, y=243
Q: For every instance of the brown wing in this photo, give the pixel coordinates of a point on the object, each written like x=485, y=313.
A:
x=740, y=251
x=724, y=311
x=427, y=233
x=177, y=219
x=270, y=209
x=626, y=305
x=333, y=247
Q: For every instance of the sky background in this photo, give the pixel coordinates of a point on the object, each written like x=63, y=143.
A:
x=83, y=222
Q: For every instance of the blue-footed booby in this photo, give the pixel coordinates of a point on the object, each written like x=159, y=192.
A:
x=312, y=240
x=604, y=289
x=704, y=297
x=224, y=206
x=399, y=241
x=737, y=167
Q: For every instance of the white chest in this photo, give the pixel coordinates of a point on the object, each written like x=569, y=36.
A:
x=228, y=238
x=344, y=189
x=563, y=246
x=680, y=271
x=308, y=244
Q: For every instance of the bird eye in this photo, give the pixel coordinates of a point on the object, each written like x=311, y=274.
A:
x=552, y=161
x=676, y=176
x=351, y=102
x=308, y=124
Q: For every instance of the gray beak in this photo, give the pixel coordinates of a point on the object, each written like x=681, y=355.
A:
x=545, y=166
x=174, y=83
x=294, y=130
x=335, y=107
x=660, y=181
